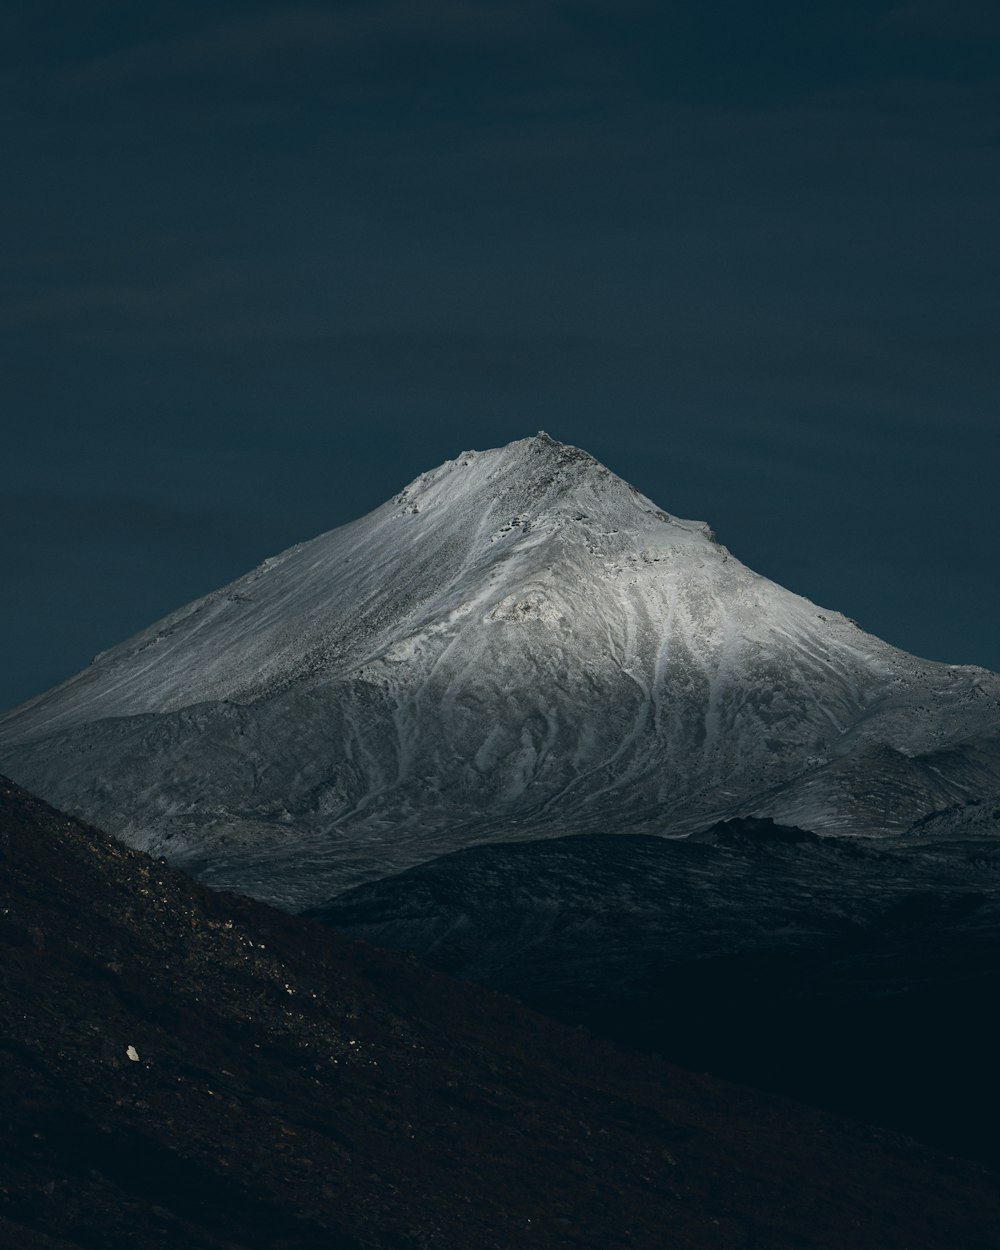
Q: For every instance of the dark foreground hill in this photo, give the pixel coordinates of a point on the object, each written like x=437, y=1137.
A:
x=182, y=1068
x=862, y=974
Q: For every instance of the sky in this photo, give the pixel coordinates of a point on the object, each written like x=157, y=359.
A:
x=266, y=263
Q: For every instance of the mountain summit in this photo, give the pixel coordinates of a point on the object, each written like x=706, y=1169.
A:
x=518, y=644
x=322, y=607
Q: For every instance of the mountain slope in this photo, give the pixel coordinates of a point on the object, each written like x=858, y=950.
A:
x=186, y=1068
x=518, y=644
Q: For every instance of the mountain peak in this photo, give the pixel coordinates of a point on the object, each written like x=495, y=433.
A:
x=532, y=459
x=535, y=479
x=517, y=642
x=542, y=444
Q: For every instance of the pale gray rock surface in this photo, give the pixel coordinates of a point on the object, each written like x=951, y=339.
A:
x=518, y=645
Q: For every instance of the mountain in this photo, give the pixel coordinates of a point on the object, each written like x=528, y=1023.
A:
x=517, y=645
x=858, y=974
x=183, y=1067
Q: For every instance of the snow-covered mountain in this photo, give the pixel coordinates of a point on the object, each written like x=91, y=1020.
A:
x=518, y=645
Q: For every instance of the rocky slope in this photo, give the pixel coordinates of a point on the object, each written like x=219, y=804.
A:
x=519, y=644
x=187, y=1068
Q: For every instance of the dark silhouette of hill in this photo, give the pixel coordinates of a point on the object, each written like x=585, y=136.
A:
x=858, y=974
x=192, y=1069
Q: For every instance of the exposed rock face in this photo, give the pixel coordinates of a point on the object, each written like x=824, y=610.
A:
x=188, y=1068
x=517, y=645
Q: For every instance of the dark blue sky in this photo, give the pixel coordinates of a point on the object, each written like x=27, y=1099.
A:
x=265, y=263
